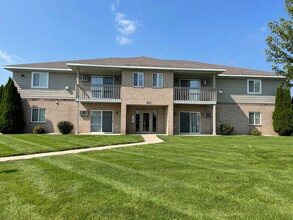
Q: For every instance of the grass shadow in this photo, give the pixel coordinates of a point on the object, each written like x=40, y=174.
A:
x=8, y=171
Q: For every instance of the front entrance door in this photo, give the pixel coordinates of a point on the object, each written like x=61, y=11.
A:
x=101, y=121
x=146, y=121
x=190, y=122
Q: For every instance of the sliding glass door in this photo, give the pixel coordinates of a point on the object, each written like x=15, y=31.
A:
x=101, y=121
x=190, y=122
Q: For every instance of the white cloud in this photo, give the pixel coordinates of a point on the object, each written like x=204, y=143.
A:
x=5, y=57
x=124, y=26
x=8, y=59
x=124, y=40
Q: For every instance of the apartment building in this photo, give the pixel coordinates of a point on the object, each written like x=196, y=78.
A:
x=145, y=95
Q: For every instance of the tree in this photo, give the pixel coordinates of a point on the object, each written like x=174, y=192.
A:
x=1, y=92
x=11, y=113
x=280, y=44
x=283, y=113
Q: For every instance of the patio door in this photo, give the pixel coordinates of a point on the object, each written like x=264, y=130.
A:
x=101, y=121
x=193, y=86
x=101, y=87
x=190, y=122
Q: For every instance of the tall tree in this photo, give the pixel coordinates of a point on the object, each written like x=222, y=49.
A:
x=280, y=44
x=283, y=113
x=11, y=113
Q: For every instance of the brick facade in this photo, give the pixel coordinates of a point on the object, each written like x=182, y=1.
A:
x=238, y=116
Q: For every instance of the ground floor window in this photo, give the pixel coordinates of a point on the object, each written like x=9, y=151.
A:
x=38, y=115
x=254, y=118
x=101, y=121
x=189, y=122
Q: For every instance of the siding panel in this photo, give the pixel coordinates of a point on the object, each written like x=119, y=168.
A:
x=56, y=90
x=235, y=91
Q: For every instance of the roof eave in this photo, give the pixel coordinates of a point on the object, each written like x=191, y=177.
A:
x=11, y=68
x=250, y=76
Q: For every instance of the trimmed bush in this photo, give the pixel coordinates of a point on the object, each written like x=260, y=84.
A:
x=255, y=132
x=65, y=127
x=225, y=129
x=39, y=130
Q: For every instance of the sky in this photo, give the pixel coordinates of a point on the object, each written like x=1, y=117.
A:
x=227, y=32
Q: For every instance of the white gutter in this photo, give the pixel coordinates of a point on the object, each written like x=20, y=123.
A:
x=250, y=76
x=145, y=67
x=34, y=68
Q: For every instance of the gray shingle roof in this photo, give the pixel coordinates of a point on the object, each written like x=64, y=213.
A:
x=147, y=61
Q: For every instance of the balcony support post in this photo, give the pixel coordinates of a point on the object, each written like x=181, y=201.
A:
x=214, y=120
x=214, y=81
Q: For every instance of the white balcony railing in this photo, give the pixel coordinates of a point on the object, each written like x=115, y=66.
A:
x=98, y=93
x=195, y=95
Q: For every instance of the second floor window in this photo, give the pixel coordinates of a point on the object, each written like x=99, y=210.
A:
x=138, y=79
x=40, y=80
x=38, y=115
x=254, y=86
x=157, y=79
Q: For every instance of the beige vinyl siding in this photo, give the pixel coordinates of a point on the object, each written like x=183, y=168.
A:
x=235, y=90
x=56, y=89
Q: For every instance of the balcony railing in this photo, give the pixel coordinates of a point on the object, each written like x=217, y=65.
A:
x=98, y=93
x=186, y=95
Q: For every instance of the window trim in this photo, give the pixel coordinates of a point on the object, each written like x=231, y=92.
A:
x=142, y=73
x=157, y=80
x=39, y=87
x=260, y=121
x=38, y=115
x=260, y=86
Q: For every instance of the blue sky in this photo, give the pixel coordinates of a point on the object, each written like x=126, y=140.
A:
x=224, y=32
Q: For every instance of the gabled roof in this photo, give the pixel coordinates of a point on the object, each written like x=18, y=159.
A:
x=142, y=61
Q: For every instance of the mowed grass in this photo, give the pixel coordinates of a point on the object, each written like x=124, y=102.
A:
x=183, y=178
x=11, y=145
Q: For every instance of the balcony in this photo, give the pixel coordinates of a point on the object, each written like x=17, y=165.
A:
x=185, y=95
x=97, y=93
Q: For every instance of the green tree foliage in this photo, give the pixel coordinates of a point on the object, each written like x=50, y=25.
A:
x=283, y=113
x=11, y=113
x=1, y=91
x=280, y=44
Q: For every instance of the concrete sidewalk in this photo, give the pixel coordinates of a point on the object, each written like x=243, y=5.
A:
x=148, y=138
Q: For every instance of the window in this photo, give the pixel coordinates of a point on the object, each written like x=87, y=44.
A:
x=254, y=86
x=254, y=118
x=40, y=80
x=38, y=115
x=138, y=79
x=157, y=79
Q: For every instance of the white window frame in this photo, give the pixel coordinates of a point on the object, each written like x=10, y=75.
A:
x=254, y=113
x=40, y=87
x=138, y=74
x=38, y=115
x=260, y=86
x=160, y=86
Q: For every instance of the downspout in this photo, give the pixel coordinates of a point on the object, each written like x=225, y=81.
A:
x=214, y=109
x=76, y=96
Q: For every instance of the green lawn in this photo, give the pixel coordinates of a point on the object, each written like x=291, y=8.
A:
x=31, y=143
x=184, y=178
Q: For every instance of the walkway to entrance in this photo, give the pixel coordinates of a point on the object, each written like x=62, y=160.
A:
x=148, y=138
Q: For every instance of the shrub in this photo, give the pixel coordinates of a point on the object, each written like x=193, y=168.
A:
x=39, y=130
x=255, y=132
x=65, y=127
x=287, y=124
x=225, y=129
